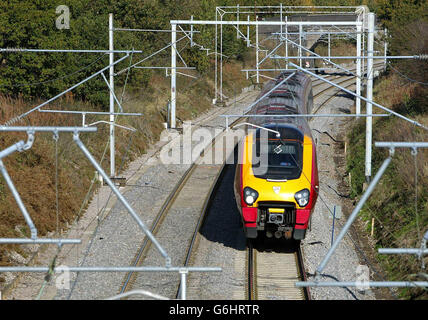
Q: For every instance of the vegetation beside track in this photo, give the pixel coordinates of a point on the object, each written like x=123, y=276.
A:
x=399, y=204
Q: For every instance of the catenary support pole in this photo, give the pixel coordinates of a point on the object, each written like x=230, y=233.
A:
x=183, y=284
x=313, y=55
x=369, y=106
x=173, y=75
x=248, y=32
x=358, y=71
x=112, y=117
x=300, y=44
x=216, y=56
x=237, y=19
x=221, y=58
x=286, y=40
x=191, y=33
x=363, y=62
x=257, y=51
x=386, y=46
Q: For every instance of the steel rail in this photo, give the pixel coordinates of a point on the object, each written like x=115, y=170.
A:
x=139, y=258
x=342, y=79
x=130, y=277
x=202, y=219
x=335, y=95
x=301, y=266
x=251, y=273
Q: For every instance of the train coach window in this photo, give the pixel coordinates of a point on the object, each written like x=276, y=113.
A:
x=280, y=160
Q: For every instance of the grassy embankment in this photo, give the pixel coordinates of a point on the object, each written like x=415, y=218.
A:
x=399, y=204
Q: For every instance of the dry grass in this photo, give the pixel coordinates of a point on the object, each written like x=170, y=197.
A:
x=400, y=220
x=337, y=48
x=391, y=90
x=33, y=171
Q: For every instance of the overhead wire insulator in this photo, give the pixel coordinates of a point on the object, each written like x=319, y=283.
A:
x=12, y=121
x=11, y=50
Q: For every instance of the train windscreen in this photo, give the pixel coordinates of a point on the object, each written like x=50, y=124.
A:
x=278, y=160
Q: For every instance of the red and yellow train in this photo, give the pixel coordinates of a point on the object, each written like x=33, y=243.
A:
x=276, y=180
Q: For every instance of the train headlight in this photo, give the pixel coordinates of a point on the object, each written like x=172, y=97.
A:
x=302, y=197
x=250, y=196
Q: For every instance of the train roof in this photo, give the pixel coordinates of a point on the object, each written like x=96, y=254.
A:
x=287, y=132
x=287, y=99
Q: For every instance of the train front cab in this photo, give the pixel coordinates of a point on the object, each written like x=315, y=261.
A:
x=276, y=210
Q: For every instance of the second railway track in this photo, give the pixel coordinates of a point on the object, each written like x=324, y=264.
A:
x=191, y=194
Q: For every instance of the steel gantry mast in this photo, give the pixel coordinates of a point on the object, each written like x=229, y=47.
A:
x=219, y=94
x=112, y=117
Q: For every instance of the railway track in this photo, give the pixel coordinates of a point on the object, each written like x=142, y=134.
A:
x=316, y=82
x=179, y=197
x=264, y=281
x=196, y=234
x=273, y=267
x=347, y=83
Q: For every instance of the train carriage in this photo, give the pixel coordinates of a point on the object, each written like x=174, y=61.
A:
x=276, y=179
